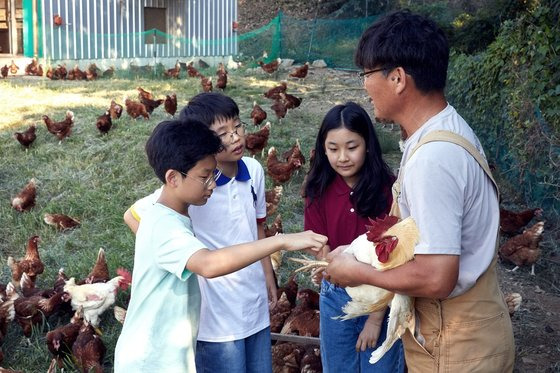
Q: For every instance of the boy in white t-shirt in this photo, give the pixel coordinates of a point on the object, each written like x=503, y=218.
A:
x=161, y=324
x=234, y=332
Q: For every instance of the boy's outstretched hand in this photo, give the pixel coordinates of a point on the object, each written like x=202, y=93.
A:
x=303, y=240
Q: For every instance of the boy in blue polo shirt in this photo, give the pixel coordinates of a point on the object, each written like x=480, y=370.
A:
x=234, y=332
x=159, y=332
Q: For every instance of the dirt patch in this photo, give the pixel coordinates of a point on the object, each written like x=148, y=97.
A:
x=257, y=13
x=536, y=324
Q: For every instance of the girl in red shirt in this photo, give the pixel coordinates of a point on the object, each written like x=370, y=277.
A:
x=348, y=182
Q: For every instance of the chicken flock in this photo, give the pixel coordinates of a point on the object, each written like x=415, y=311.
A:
x=297, y=310
x=81, y=302
x=84, y=300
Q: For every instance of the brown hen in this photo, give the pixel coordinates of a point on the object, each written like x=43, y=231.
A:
x=192, y=71
x=4, y=71
x=272, y=198
x=151, y=105
x=7, y=310
x=290, y=101
x=304, y=318
x=25, y=200
x=523, y=249
x=31, y=310
x=60, y=129
x=142, y=93
x=304, y=323
x=28, y=288
x=286, y=357
x=275, y=228
x=32, y=68
x=100, y=270
x=291, y=290
x=91, y=72
x=115, y=110
x=512, y=222
x=26, y=138
x=60, y=221
x=300, y=72
x=173, y=72
x=280, y=313
x=270, y=67
x=76, y=74
x=279, y=171
x=30, y=264
x=222, y=74
x=136, y=109
x=256, y=142
x=311, y=360
x=280, y=109
x=89, y=350
x=170, y=104
x=60, y=72
x=294, y=153
x=206, y=83
x=60, y=340
x=257, y=114
x=274, y=93
x=104, y=123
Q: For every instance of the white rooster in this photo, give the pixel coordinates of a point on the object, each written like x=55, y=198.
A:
x=96, y=298
x=387, y=244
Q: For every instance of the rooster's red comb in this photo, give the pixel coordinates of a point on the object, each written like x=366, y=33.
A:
x=126, y=274
x=380, y=226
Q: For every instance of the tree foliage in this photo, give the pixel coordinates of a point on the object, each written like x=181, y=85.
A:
x=510, y=93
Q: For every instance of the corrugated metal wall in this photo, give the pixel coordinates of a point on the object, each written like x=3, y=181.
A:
x=100, y=29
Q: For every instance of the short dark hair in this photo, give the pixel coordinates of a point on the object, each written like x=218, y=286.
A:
x=179, y=145
x=372, y=189
x=209, y=107
x=407, y=40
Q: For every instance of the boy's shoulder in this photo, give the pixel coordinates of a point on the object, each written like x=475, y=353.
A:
x=163, y=217
x=253, y=166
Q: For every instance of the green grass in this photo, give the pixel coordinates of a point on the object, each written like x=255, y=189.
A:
x=96, y=178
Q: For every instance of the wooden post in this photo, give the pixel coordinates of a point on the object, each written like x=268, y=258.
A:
x=13, y=28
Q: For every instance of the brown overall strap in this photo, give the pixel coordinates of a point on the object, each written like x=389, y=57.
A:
x=447, y=136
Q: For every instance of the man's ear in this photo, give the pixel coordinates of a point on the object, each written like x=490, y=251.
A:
x=399, y=79
x=172, y=178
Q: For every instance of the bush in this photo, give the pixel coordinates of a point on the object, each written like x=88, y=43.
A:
x=510, y=94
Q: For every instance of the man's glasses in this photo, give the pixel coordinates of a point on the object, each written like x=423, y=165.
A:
x=208, y=182
x=238, y=129
x=363, y=75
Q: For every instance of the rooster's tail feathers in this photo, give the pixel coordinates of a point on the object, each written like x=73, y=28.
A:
x=401, y=317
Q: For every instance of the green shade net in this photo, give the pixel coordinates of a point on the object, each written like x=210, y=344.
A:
x=333, y=41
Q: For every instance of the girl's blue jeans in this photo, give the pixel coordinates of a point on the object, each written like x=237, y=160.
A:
x=338, y=338
x=247, y=355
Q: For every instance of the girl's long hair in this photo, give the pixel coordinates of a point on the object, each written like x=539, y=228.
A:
x=375, y=176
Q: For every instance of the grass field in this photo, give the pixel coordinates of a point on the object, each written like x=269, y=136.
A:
x=96, y=178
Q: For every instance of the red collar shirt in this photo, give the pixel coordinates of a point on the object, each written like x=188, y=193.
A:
x=334, y=216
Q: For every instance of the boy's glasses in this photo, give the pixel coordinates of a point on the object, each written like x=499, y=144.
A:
x=363, y=75
x=208, y=182
x=238, y=129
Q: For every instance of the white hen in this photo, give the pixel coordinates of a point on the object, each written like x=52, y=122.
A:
x=388, y=243
x=95, y=298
